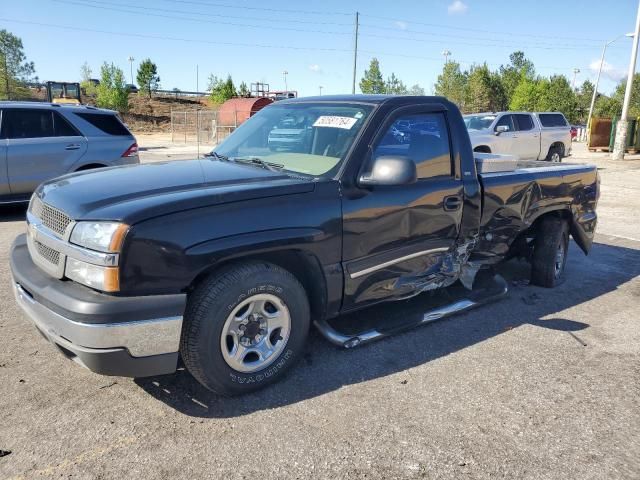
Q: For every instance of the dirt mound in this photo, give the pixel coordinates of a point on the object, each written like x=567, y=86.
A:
x=154, y=115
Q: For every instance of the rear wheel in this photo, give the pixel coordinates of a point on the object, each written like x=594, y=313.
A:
x=555, y=154
x=244, y=327
x=550, y=253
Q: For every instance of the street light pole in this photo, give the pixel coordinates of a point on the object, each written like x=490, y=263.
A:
x=446, y=54
x=622, y=128
x=320, y=87
x=284, y=74
x=131, y=59
x=595, y=89
x=576, y=71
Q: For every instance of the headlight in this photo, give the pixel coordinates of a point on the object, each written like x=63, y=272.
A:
x=101, y=236
x=106, y=279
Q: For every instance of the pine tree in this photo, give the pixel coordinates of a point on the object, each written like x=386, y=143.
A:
x=372, y=81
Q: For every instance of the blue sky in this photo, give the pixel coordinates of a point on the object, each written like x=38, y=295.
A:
x=313, y=40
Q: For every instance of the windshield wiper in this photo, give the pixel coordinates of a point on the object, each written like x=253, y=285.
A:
x=217, y=156
x=274, y=167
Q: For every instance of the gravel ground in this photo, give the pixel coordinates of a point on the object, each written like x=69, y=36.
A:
x=542, y=385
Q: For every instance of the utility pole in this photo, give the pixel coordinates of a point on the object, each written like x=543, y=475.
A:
x=622, y=128
x=320, y=87
x=355, y=54
x=131, y=59
x=446, y=54
x=284, y=74
x=576, y=71
x=197, y=79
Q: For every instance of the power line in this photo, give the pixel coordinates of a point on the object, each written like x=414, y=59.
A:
x=511, y=34
x=117, y=7
x=212, y=15
x=236, y=44
x=244, y=7
x=173, y=17
x=177, y=39
x=476, y=43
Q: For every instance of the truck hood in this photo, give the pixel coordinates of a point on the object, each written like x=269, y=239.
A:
x=137, y=192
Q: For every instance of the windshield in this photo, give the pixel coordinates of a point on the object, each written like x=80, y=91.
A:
x=478, y=122
x=308, y=138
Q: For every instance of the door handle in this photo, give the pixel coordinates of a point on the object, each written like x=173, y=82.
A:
x=72, y=146
x=451, y=204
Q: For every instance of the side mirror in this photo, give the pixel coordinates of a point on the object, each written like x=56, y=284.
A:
x=501, y=129
x=389, y=170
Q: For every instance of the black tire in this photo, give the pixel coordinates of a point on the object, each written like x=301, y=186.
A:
x=553, y=237
x=207, y=310
x=555, y=154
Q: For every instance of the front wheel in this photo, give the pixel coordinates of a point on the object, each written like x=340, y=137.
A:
x=244, y=328
x=550, y=253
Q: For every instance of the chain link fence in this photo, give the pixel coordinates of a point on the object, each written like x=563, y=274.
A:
x=204, y=126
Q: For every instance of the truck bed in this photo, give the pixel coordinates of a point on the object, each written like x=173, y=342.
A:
x=515, y=193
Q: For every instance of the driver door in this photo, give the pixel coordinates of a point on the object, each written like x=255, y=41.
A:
x=505, y=141
x=394, y=236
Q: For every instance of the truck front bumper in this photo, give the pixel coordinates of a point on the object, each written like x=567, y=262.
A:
x=122, y=336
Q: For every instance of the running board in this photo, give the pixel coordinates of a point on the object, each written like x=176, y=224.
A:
x=497, y=289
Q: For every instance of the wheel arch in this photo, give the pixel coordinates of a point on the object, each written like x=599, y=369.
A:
x=563, y=213
x=482, y=149
x=89, y=166
x=303, y=265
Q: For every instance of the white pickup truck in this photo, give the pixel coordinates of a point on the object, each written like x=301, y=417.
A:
x=529, y=136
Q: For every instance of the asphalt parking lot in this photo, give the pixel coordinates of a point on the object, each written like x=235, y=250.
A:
x=542, y=385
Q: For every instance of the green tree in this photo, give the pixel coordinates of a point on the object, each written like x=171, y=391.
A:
x=612, y=106
x=511, y=75
x=556, y=95
x=372, y=81
x=608, y=107
x=147, y=77
x=525, y=96
x=416, y=90
x=482, y=92
x=112, y=91
x=87, y=86
x=452, y=83
x=221, y=90
x=243, y=90
x=394, y=86
x=14, y=68
x=583, y=100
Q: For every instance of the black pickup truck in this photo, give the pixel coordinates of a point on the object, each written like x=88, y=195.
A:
x=226, y=261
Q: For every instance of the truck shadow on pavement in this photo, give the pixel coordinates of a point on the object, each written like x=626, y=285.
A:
x=326, y=368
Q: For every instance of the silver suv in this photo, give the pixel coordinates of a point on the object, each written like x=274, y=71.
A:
x=40, y=141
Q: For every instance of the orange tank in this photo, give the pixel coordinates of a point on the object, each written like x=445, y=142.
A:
x=236, y=110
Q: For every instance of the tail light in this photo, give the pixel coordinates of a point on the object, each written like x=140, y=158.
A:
x=132, y=151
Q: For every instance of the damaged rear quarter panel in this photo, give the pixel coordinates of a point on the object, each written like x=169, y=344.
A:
x=513, y=201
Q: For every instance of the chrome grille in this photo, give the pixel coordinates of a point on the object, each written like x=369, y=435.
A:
x=52, y=218
x=49, y=254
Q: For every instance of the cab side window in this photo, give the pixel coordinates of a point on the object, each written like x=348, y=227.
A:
x=27, y=123
x=525, y=122
x=424, y=138
x=507, y=121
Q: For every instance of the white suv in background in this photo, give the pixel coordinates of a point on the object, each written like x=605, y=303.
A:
x=41, y=141
x=529, y=136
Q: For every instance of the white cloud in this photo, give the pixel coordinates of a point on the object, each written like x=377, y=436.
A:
x=401, y=25
x=314, y=67
x=457, y=7
x=608, y=70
